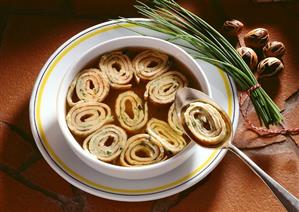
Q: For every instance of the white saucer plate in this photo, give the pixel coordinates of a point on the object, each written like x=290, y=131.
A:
x=60, y=157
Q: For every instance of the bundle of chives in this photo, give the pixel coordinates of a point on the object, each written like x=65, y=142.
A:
x=170, y=18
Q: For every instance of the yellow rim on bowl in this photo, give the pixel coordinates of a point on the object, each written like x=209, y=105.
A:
x=74, y=174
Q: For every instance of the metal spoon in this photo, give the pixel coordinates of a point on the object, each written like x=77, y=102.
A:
x=184, y=97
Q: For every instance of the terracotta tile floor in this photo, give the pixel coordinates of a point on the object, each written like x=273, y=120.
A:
x=29, y=34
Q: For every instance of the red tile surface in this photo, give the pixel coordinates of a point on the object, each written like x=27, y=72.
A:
x=251, y=12
x=231, y=189
x=93, y=204
x=107, y=9
x=200, y=8
x=13, y=149
x=27, y=43
x=28, y=40
x=14, y=197
x=281, y=162
x=291, y=114
x=42, y=174
x=116, y=8
x=46, y=5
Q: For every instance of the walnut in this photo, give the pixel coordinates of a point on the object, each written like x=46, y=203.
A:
x=269, y=67
x=249, y=56
x=257, y=38
x=274, y=49
x=232, y=27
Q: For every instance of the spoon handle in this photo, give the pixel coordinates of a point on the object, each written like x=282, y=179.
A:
x=289, y=201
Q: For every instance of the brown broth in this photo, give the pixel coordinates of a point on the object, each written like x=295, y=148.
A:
x=154, y=111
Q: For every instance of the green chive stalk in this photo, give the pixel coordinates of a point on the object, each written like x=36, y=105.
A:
x=170, y=18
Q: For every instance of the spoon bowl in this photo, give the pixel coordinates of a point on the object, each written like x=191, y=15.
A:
x=187, y=96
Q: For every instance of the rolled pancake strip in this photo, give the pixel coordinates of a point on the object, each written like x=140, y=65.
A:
x=107, y=143
x=173, y=120
x=86, y=117
x=162, y=90
x=88, y=85
x=142, y=149
x=118, y=68
x=150, y=64
x=162, y=132
x=140, y=112
x=206, y=123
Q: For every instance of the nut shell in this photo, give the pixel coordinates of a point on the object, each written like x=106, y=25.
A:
x=269, y=66
x=274, y=49
x=249, y=56
x=232, y=27
x=257, y=38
